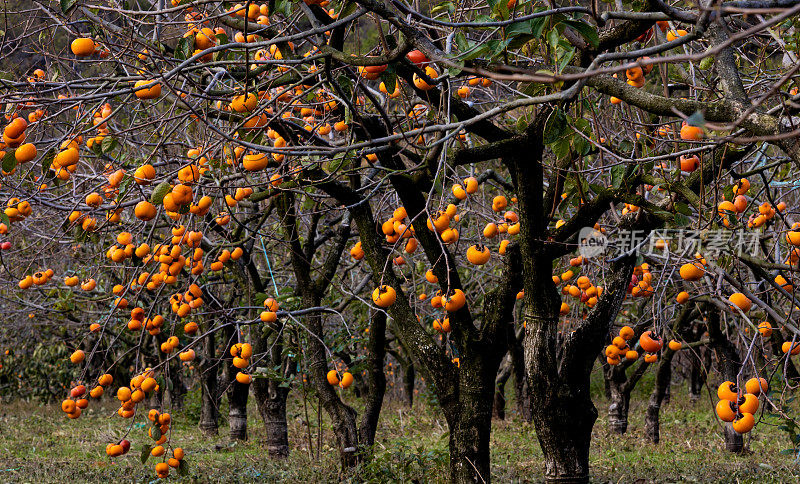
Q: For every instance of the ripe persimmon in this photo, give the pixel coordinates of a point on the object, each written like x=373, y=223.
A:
x=143, y=92
x=650, y=342
x=384, y=296
x=83, y=46
x=478, y=255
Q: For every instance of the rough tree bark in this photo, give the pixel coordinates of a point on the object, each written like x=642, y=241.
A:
x=375, y=381
x=563, y=412
x=271, y=394
x=522, y=395
x=620, y=386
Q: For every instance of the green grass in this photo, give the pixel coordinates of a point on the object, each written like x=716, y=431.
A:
x=38, y=444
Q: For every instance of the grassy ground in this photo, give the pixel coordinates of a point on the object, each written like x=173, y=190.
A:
x=37, y=444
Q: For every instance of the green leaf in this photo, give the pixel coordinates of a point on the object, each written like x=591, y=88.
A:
x=587, y=31
x=155, y=432
x=497, y=47
x=561, y=148
x=553, y=37
x=728, y=192
x=520, y=28
x=519, y=40
x=683, y=208
x=597, y=188
x=283, y=7
x=456, y=70
x=554, y=127
x=97, y=149
x=565, y=59
x=617, y=175
x=9, y=161
x=4, y=218
x=474, y=52
x=108, y=144
x=145, y=453
x=461, y=42
x=443, y=7
x=160, y=192
x=67, y=5
x=184, y=48
x=537, y=26
x=349, y=7
x=345, y=83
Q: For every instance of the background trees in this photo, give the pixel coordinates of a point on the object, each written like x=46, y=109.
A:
x=288, y=192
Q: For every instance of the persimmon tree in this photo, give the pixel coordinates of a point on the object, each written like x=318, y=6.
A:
x=196, y=157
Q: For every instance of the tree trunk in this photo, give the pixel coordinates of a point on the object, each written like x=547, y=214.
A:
x=271, y=395
x=177, y=392
x=734, y=442
x=564, y=428
x=408, y=382
x=499, y=406
x=657, y=397
x=521, y=393
x=375, y=380
x=618, y=408
x=343, y=417
x=237, y=393
x=237, y=409
x=729, y=363
x=470, y=420
x=660, y=393
x=209, y=408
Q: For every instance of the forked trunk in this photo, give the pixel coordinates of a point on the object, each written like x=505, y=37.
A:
x=343, y=417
